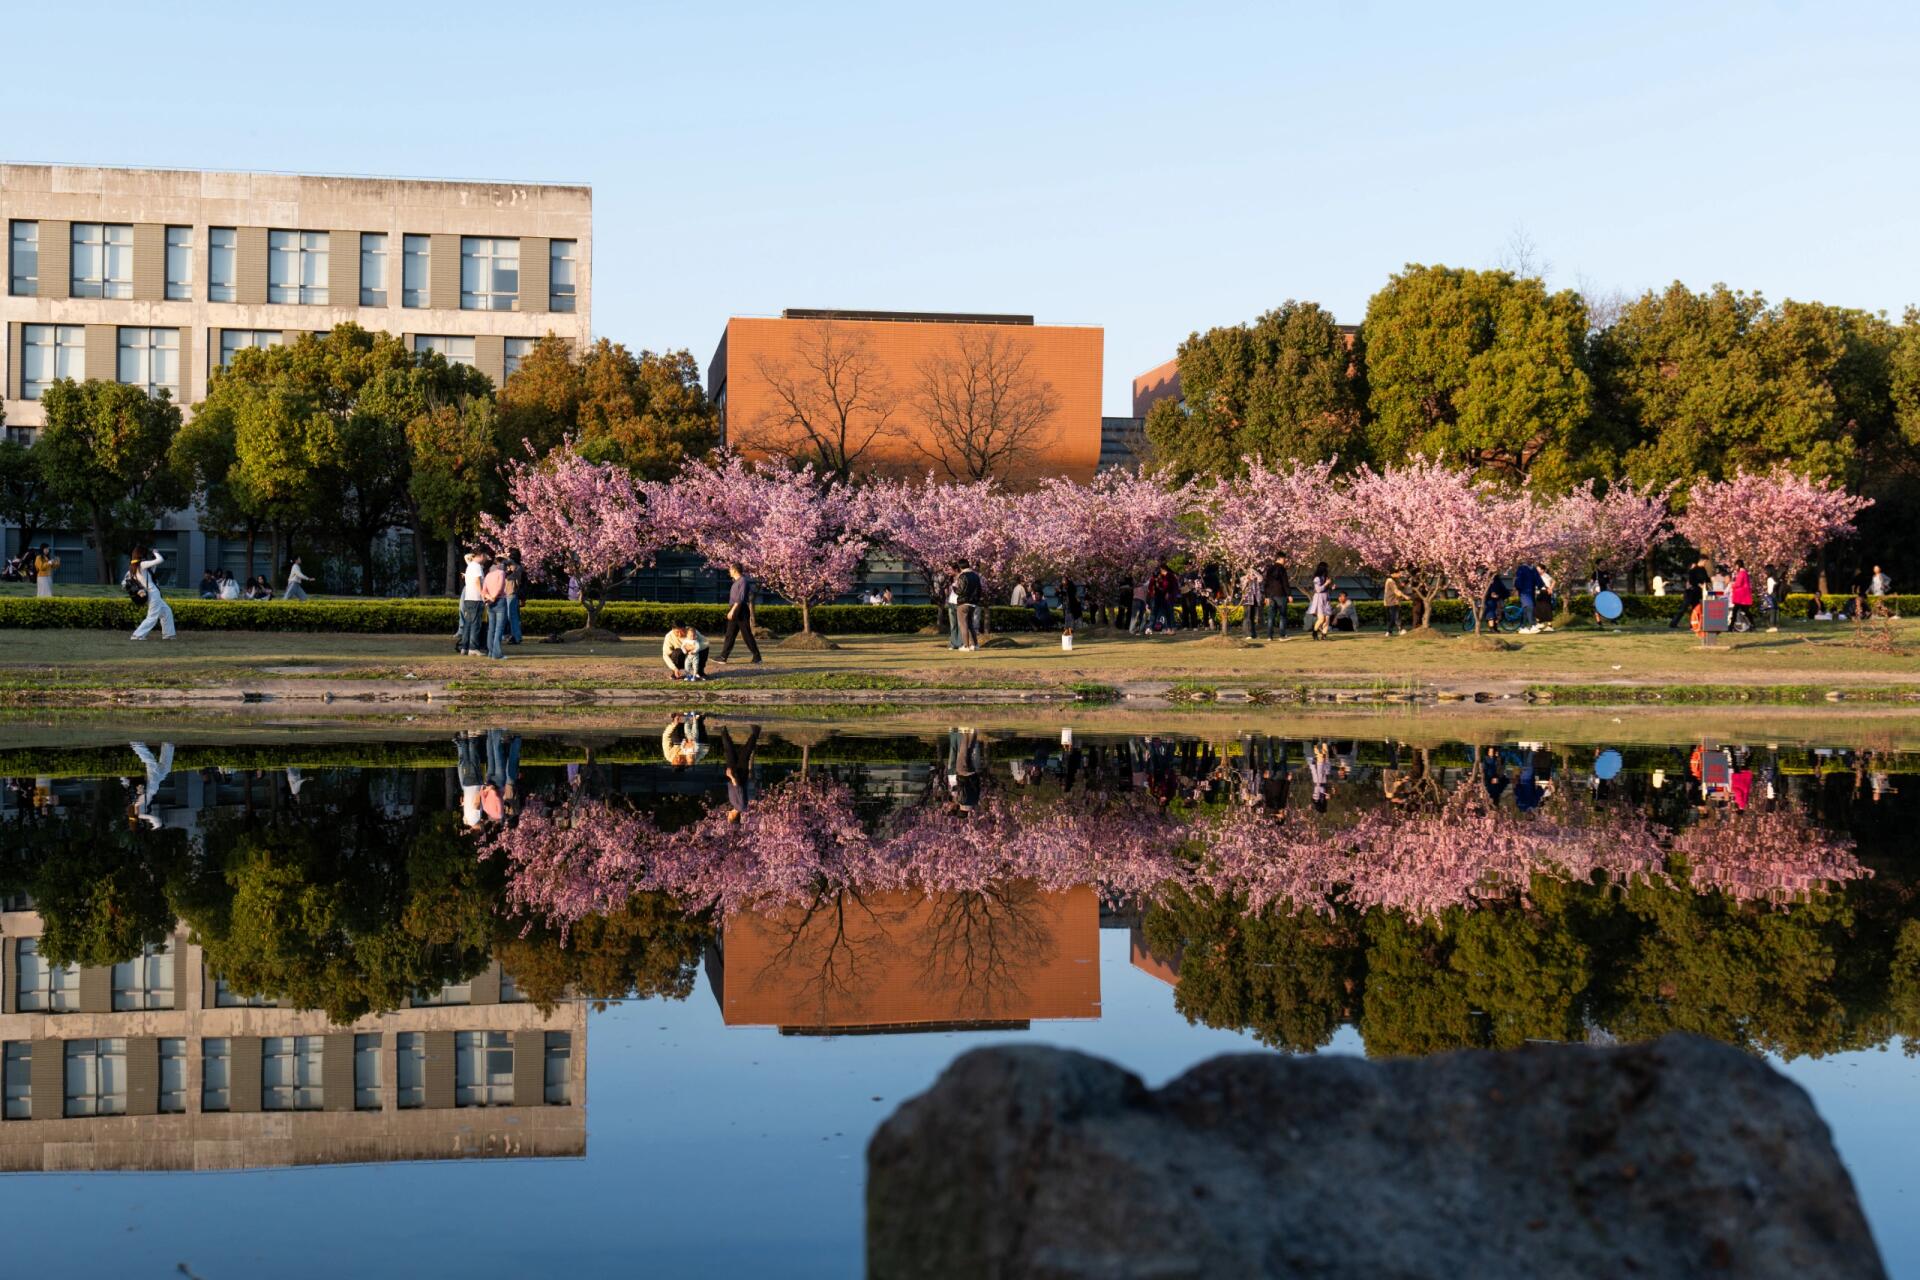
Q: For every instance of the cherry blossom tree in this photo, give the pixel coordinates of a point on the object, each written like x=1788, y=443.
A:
x=794, y=532
x=574, y=519
x=930, y=524
x=1105, y=533
x=1247, y=521
x=1610, y=530
x=1777, y=518
x=1439, y=528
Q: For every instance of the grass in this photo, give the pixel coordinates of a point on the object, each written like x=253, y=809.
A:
x=1589, y=665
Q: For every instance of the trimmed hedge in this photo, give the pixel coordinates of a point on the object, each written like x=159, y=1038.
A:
x=550, y=617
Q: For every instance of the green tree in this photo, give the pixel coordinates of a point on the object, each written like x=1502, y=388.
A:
x=1904, y=377
x=27, y=500
x=647, y=412
x=1288, y=386
x=1483, y=369
x=205, y=457
x=106, y=451
x=455, y=477
x=648, y=948
x=99, y=881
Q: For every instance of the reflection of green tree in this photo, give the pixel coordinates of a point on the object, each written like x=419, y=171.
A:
x=350, y=913
x=1284, y=977
x=649, y=948
x=98, y=881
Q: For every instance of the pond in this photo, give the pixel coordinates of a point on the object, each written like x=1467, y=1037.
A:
x=319, y=1003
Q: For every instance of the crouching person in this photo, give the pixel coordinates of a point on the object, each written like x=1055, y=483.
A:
x=685, y=652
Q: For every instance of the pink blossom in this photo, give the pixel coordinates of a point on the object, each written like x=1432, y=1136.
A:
x=1250, y=520
x=1778, y=519
x=1113, y=530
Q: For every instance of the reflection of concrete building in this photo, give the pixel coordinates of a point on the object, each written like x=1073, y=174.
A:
x=908, y=961
x=889, y=354
x=154, y=1064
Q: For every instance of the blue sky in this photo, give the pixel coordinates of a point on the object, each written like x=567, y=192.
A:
x=1151, y=169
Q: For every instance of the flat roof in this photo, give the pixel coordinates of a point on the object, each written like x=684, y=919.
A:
x=298, y=173
x=902, y=317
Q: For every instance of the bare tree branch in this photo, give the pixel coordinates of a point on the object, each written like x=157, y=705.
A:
x=829, y=407
x=984, y=411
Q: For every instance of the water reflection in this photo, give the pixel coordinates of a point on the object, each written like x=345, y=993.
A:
x=397, y=937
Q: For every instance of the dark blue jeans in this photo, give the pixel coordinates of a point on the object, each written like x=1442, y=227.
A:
x=497, y=628
x=1276, y=613
x=473, y=615
x=513, y=617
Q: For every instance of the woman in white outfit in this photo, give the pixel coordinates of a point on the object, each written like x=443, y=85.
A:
x=295, y=576
x=158, y=611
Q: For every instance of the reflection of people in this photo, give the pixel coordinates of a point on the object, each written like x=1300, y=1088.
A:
x=294, y=782
x=739, y=758
x=503, y=772
x=965, y=766
x=473, y=776
x=157, y=771
x=684, y=740
x=1320, y=769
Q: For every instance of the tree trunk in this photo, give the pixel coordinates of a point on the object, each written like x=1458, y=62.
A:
x=273, y=555
x=106, y=552
x=806, y=616
x=420, y=587
x=366, y=565
x=453, y=566
x=253, y=538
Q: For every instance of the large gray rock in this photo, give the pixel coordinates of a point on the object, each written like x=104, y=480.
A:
x=1678, y=1158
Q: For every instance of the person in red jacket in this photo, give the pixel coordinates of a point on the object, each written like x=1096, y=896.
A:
x=1741, y=593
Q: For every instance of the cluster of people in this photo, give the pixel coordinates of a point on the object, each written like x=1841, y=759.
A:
x=1704, y=581
x=1534, y=593
x=39, y=566
x=686, y=651
x=218, y=584
x=489, y=604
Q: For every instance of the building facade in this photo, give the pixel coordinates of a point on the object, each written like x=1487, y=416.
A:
x=156, y=277
x=879, y=375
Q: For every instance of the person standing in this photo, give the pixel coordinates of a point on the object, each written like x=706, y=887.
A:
x=1880, y=584
x=1250, y=601
x=1391, y=599
x=493, y=594
x=966, y=596
x=143, y=588
x=44, y=565
x=1741, y=591
x=1526, y=585
x=1772, y=589
x=685, y=650
x=472, y=609
x=1319, y=603
x=1274, y=589
x=296, y=580
x=516, y=587
x=739, y=615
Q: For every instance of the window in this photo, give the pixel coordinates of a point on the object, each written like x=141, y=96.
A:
x=173, y=1076
x=51, y=352
x=225, y=997
x=232, y=340
x=366, y=1072
x=179, y=263
x=44, y=988
x=510, y=992
x=296, y=266
x=145, y=982
x=102, y=260
x=290, y=1073
x=23, y=260
x=561, y=284
x=413, y=270
x=410, y=1069
x=489, y=273
x=16, y=1074
x=518, y=349
x=222, y=250
x=373, y=269
x=150, y=360
x=452, y=993
x=457, y=350
x=216, y=1074
x=96, y=1077
x=559, y=1069
x=482, y=1069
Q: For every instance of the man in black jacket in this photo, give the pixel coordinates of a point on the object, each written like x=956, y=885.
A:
x=969, y=590
x=1273, y=588
x=1697, y=580
x=739, y=614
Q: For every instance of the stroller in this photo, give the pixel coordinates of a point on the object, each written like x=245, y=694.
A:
x=18, y=569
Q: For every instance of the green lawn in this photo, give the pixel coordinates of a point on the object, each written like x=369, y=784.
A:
x=1807, y=653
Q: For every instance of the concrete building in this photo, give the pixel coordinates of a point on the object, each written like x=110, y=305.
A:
x=877, y=375
x=154, y=1064
x=156, y=277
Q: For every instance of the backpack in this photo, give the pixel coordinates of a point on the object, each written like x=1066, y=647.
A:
x=136, y=590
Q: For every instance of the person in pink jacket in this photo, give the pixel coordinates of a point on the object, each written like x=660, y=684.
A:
x=1741, y=591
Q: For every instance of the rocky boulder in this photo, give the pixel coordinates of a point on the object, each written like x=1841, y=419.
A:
x=1681, y=1157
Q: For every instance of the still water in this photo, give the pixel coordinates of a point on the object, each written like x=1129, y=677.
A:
x=503, y=1000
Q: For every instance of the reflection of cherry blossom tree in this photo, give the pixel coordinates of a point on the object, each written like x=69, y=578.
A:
x=583, y=857
x=1760, y=856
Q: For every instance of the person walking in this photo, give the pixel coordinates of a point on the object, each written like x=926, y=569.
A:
x=44, y=565
x=1741, y=593
x=493, y=594
x=472, y=609
x=296, y=581
x=1274, y=589
x=143, y=588
x=967, y=591
x=1319, y=603
x=1392, y=597
x=739, y=615
x=1772, y=597
x=1250, y=601
x=1697, y=580
x=157, y=770
x=1879, y=584
x=684, y=650
x=1527, y=584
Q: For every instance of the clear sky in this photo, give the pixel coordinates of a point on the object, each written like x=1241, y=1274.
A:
x=1151, y=169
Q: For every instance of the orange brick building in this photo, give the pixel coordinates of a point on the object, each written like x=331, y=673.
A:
x=895, y=392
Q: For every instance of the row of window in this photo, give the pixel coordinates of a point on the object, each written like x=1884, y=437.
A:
x=146, y=982
x=292, y=1073
x=150, y=358
x=101, y=266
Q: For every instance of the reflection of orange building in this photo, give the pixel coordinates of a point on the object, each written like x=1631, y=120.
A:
x=908, y=961
x=876, y=374
x=1148, y=961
